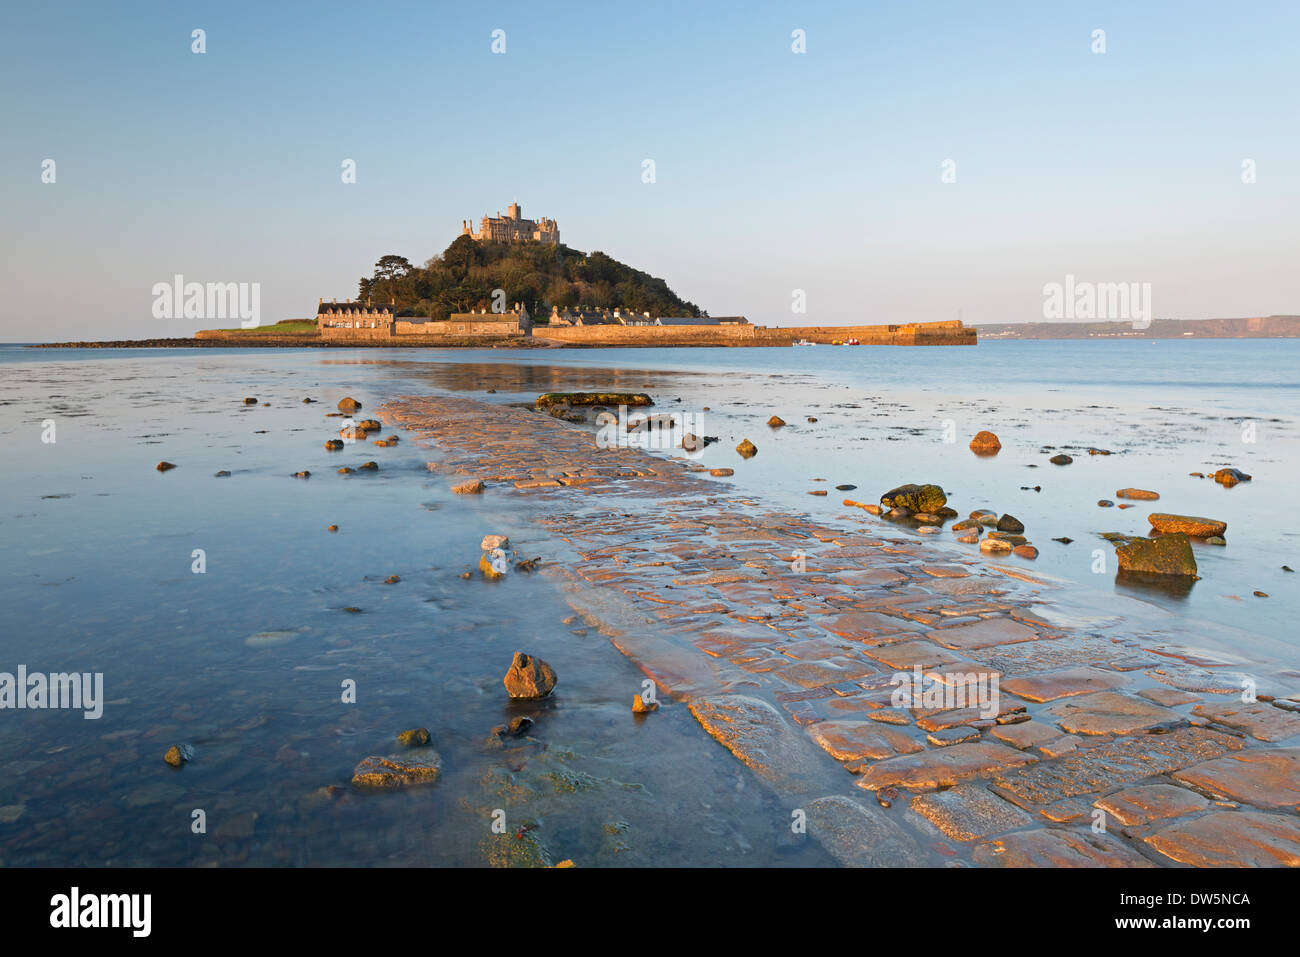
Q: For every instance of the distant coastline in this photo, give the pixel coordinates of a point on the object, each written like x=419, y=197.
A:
x=1261, y=327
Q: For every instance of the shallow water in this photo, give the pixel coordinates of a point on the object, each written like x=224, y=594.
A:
x=98, y=555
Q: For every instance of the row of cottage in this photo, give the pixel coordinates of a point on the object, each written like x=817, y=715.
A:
x=350, y=319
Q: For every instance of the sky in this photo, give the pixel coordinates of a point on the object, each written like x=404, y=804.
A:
x=775, y=172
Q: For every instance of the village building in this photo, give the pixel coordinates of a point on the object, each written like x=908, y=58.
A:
x=513, y=228
x=354, y=315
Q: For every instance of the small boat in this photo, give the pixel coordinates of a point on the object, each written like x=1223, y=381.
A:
x=803, y=342
x=854, y=342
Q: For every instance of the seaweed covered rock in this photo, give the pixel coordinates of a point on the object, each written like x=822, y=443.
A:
x=915, y=498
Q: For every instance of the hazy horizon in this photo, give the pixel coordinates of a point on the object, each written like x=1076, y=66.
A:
x=775, y=171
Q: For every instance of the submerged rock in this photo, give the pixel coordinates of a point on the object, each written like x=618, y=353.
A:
x=333, y=445
x=1167, y=555
x=1230, y=477
x=414, y=738
x=179, y=754
x=250, y=401
x=928, y=498
x=396, y=771
x=529, y=677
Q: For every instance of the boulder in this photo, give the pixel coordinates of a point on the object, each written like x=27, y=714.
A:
x=494, y=541
x=995, y=546
x=1009, y=523
x=349, y=404
x=1230, y=477
x=1061, y=459
x=776, y=421
x=179, y=754
x=1192, y=525
x=468, y=487
x=1025, y=551
x=164, y=466
x=353, y=432
x=1140, y=494
x=529, y=677
x=985, y=443
x=333, y=445
x=1167, y=555
x=915, y=498
x=396, y=771
x=250, y=401
x=747, y=449
x=370, y=425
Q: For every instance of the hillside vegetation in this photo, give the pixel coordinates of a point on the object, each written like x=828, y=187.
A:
x=463, y=277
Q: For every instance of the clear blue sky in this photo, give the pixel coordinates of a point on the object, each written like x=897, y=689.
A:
x=775, y=171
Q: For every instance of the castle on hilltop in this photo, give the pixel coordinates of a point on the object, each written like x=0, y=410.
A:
x=513, y=228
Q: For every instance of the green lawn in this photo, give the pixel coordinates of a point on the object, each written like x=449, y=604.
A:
x=305, y=327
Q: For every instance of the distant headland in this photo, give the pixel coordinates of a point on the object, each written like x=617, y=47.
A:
x=1260, y=327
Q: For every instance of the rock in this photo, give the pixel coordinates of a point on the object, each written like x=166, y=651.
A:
x=968, y=812
x=164, y=466
x=966, y=523
x=529, y=677
x=414, y=738
x=489, y=570
x=308, y=401
x=1064, y=540
x=968, y=539
x=349, y=404
x=812, y=418
x=985, y=443
x=369, y=466
x=1053, y=848
x=302, y=475
x=332, y=528
x=756, y=733
x=179, y=754
x=915, y=498
x=1141, y=494
x=469, y=487
x=222, y=474
x=353, y=432
x=1061, y=459
x=776, y=421
x=1193, y=525
x=1025, y=551
x=396, y=771
x=1011, y=538
x=494, y=541
x=392, y=579
x=872, y=509
x=721, y=473
x=1092, y=451
x=939, y=768
x=1105, y=503
x=518, y=725
x=747, y=449
x=1219, y=540
x=1167, y=555
x=333, y=445
x=1009, y=523
x=1231, y=839
x=995, y=546
x=370, y=425
x=346, y=471
x=640, y=706
x=548, y=399
x=250, y=401
x=1230, y=477
x=845, y=488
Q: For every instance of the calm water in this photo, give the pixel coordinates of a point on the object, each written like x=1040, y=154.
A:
x=98, y=554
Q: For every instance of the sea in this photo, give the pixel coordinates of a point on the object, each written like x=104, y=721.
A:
x=214, y=607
